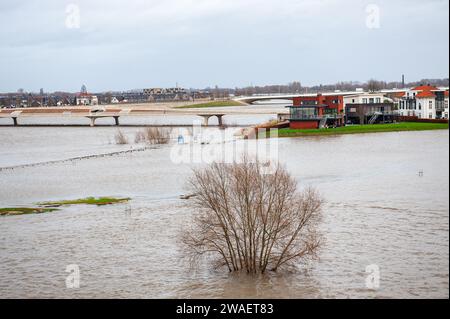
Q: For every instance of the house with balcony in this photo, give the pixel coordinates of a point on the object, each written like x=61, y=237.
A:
x=318, y=111
x=369, y=108
x=425, y=102
x=445, y=114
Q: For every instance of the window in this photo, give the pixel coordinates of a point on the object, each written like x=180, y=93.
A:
x=303, y=113
x=364, y=100
x=420, y=106
x=430, y=115
x=431, y=105
x=378, y=100
x=371, y=100
x=309, y=102
x=353, y=101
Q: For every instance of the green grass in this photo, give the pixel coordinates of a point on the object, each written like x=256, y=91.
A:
x=358, y=129
x=24, y=211
x=212, y=104
x=87, y=201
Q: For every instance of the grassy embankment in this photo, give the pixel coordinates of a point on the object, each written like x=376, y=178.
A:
x=101, y=201
x=211, y=104
x=358, y=129
x=24, y=211
x=48, y=207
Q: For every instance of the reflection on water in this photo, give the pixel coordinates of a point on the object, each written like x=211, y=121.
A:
x=378, y=211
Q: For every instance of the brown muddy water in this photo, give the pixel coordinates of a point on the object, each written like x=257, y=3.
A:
x=387, y=205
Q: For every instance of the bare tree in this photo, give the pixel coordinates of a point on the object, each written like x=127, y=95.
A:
x=250, y=221
x=139, y=137
x=153, y=135
x=120, y=138
x=374, y=85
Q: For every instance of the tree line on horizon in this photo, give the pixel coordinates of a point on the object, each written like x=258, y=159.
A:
x=371, y=85
x=290, y=88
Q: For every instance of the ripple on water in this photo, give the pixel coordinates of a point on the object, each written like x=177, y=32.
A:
x=378, y=212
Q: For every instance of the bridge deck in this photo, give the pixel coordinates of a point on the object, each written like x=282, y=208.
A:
x=116, y=113
x=77, y=112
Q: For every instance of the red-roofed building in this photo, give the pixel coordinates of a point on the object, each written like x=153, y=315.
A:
x=425, y=88
x=398, y=95
x=425, y=94
x=84, y=98
x=425, y=102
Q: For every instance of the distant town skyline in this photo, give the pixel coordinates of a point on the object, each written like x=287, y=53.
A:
x=291, y=87
x=59, y=45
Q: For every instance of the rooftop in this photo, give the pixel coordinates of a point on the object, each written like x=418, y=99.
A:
x=425, y=94
x=425, y=88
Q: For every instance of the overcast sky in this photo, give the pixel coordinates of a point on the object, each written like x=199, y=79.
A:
x=128, y=44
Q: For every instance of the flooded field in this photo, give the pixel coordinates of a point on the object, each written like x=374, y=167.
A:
x=386, y=204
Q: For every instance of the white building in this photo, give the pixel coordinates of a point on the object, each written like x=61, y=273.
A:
x=364, y=98
x=86, y=99
x=426, y=105
x=425, y=102
x=446, y=112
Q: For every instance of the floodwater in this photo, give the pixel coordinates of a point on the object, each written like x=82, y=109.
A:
x=386, y=197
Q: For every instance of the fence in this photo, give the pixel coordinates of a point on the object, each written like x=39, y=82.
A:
x=416, y=119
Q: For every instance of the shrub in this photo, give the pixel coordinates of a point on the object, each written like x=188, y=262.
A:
x=250, y=221
x=139, y=137
x=153, y=135
x=121, y=138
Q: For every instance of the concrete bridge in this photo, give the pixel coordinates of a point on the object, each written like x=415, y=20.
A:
x=286, y=97
x=262, y=98
x=116, y=113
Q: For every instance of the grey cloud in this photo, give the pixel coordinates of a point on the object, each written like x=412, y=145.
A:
x=136, y=43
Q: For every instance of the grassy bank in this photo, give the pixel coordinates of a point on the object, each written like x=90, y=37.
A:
x=87, y=201
x=212, y=104
x=358, y=129
x=48, y=207
x=24, y=211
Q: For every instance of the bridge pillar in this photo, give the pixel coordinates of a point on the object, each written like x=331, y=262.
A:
x=220, y=118
x=116, y=120
x=15, y=121
x=205, y=119
x=92, y=121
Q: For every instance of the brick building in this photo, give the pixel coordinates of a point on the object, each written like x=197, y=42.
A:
x=318, y=111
